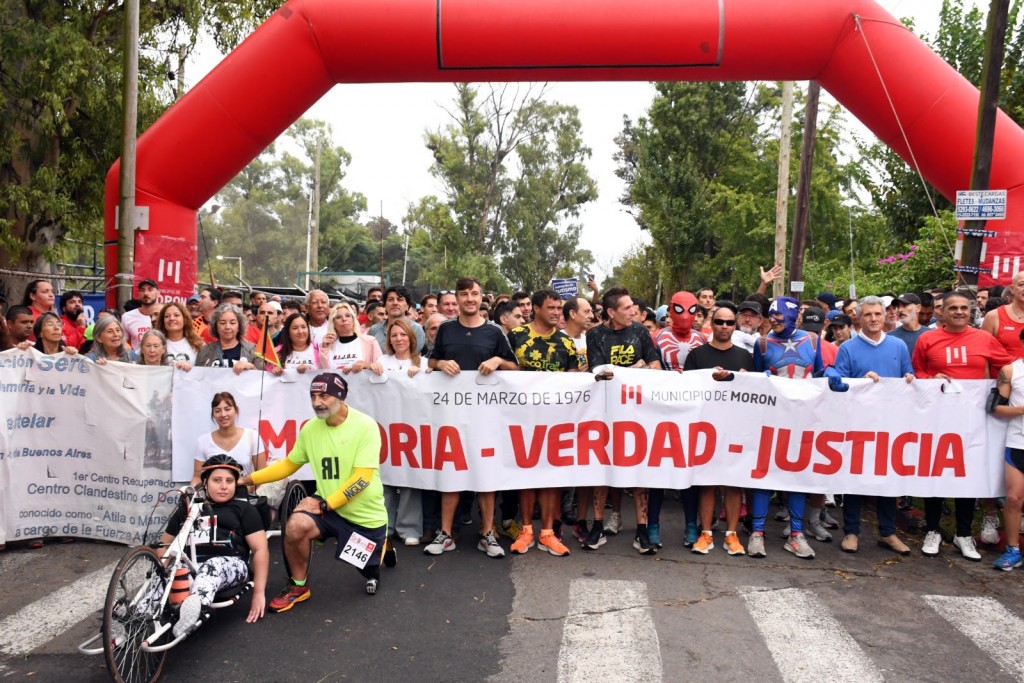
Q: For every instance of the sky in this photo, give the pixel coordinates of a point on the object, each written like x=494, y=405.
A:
x=382, y=126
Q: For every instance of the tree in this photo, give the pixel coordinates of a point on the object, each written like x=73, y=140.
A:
x=513, y=171
x=61, y=105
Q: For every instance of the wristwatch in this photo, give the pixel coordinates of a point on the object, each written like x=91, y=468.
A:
x=324, y=507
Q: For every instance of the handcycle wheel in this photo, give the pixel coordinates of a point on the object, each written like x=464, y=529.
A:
x=293, y=495
x=125, y=625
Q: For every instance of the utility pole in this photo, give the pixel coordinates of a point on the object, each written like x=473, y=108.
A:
x=995, y=42
x=126, y=219
x=315, y=249
x=180, y=90
x=803, y=184
x=382, y=243
x=782, y=191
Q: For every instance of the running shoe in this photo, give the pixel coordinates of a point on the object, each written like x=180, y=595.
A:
x=614, y=525
x=642, y=542
x=596, y=537
x=524, y=541
x=704, y=544
x=798, y=545
x=551, y=543
x=442, y=543
x=966, y=546
x=990, y=530
x=816, y=530
x=827, y=520
x=732, y=543
x=782, y=515
x=932, y=543
x=188, y=616
x=287, y=598
x=510, y=528
x=1010, y=559
x=654, y=533
x=489, y=544
x=755, y=545
x=372, y=586
x=580, y=531
x=692, y=534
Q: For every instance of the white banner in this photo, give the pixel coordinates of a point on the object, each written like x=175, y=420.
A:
x=86, y=448
x=643, y=428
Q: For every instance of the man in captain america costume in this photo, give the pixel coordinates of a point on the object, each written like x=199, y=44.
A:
x=784, y=352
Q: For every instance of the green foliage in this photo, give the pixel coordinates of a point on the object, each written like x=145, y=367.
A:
x=637, y=272
x=61, y=108
x=512, y=166
x=702, y=170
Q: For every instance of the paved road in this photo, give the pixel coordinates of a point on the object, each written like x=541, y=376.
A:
x=611, y=615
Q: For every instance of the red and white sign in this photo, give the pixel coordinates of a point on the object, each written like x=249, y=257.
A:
x=641, y=428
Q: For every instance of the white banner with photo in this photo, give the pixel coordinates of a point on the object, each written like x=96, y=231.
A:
x=516, y=430
x=86, y=448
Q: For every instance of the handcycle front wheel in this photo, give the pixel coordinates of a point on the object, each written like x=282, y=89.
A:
x=126, y=620
x=293, y=495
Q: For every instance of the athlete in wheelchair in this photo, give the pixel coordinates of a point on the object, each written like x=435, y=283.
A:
x=213, y=550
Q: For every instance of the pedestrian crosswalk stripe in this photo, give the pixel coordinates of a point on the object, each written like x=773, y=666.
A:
x=807, y=643
x=992, y=627
x=48, y=617
x=609, y=634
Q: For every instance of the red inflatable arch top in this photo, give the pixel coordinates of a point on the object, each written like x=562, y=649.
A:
x=306, y=47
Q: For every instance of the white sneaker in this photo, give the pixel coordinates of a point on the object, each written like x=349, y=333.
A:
x=489, y=544
x=967, y=549
x=990, y=530
x=412, y=541
x=798, y=546
x=188, y=615
x=614, y=524
x=932, y=543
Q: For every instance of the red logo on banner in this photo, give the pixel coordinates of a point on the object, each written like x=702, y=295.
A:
x=171, y=261
x=634, y=394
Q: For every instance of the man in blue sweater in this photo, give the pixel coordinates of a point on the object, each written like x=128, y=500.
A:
x=873, y=355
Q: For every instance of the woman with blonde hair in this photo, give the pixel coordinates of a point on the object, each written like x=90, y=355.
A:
x=176, y=323
x=344, y=348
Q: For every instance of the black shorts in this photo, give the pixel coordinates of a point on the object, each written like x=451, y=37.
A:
x=333, y=525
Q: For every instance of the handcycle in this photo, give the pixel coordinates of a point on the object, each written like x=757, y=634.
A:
x=139, y=613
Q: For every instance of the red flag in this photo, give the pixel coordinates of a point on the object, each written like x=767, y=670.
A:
x=265, y=348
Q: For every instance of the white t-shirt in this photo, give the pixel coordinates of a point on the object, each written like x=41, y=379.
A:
x=316, y=334
x=343, y=354
x=244, y=451
x=135, y=324
x=297, y=358
x=181, y=350
x=581, y=346
x=393, y=364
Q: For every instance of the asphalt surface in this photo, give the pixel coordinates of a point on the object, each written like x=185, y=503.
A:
x=465, y=617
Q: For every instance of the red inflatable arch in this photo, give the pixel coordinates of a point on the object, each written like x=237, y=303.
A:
x=305, y=48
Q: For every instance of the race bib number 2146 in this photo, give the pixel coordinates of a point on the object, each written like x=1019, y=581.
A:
x=357, y=551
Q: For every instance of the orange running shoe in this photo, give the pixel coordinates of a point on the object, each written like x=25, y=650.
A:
x=733, y=545
x=705, y=543
x=552, y=544
x=524, y=541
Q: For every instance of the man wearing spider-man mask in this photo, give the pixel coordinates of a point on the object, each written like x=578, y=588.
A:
x=787, y=352
x=674, y=343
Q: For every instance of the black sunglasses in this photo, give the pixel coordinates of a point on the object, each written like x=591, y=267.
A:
x=724, y=323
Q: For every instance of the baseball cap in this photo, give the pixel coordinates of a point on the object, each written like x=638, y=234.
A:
x=661, y=313
x=831, y=315
x=842, y=320
x=151, y=283
x=275, y=305
x=887, y=301
x=751, y=306
x=193, y=298
x=909, y=299
x=330, y=384
x=814, y=319
x=827, y=298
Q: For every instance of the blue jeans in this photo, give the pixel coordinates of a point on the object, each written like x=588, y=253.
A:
x=885, y=507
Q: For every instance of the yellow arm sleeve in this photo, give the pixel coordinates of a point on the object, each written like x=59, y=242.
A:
x=356, y=484
x=279, y=470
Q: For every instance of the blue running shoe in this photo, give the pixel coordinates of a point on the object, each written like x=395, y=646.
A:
x=1010, y=559
x=654, y=534
x=692, y=534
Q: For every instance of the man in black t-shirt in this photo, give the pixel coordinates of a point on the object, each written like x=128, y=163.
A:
x=725, y=358
x=469, y=342
x=623, y=343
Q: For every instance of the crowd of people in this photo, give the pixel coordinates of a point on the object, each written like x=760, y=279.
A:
x=943, y=334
